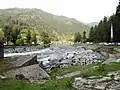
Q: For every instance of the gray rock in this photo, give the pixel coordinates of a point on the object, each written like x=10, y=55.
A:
x=118, y=60
x=96, y=83
x=112, y=56
x=2, y=77
x=33, y=72
x=104, y=54
x=110, y=60
x=68, y=75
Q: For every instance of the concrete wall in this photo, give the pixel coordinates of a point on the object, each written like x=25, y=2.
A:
x=31, y=61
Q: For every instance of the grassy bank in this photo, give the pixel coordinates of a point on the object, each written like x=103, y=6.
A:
x=63, y=84
x=102, y=69
x=11, y=84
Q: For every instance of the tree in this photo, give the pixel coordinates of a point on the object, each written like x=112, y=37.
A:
x=84, y=36
x=116, y=24
x=1, y=36
x=28, y=36
x=77, y=37
x=118, y=9
x=7, y=32
x=15, y=34
x=12, y=30
x=101, y=32
x=34, y=39
x=91, y=34
x=45, y=39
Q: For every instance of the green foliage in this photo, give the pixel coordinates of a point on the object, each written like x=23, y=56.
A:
x=102, y=70
x=60, y=28
x=34, y=38
x=77, y=37
x=12, y=30
x=84, y=36
x=11, y=84
x=15, y=34
x=1, y=36
x=101, y=33
x=20, y=42
x=63, y=71
x=46, y=39
x=7, y=32
x=28, y=37
x=42, y=21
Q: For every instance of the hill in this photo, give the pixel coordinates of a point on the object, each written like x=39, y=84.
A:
x=42, y=20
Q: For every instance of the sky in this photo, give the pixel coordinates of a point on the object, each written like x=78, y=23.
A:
x=86, y=11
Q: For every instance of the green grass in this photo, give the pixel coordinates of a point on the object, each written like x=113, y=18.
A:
x=11, y=84
x=103, y=69
x=63, y=84
x=63, y=71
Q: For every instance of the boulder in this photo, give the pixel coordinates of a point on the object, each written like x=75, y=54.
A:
x=2, y=77
x=118, y=60
x=110, y=60
x=105, y=54
x=33, y=72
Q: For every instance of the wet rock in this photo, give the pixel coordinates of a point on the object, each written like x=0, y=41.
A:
x=2, y=77
x=105, y=54
x=110, y=60
x=101, y=86
x=112, y=56
x=117, y=55
x=117, y=50
x=118, y=60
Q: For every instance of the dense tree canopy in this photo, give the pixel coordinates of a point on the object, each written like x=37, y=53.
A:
x=77, y=37
x=101, y=33
x=46, y=39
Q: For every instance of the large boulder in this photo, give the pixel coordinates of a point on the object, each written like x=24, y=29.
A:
x=33, y=72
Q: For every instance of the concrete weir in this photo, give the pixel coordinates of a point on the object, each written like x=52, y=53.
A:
x=26, y=67
x=31, y=73
x=22, y=61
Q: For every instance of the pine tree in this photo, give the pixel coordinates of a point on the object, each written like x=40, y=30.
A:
x=84, y=36
x=118, y=9
x=116, y=24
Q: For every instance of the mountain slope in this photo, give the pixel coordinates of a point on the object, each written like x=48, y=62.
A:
x=43, y=20
x=93, y=24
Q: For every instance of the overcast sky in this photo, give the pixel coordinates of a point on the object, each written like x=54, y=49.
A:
x=83, y=10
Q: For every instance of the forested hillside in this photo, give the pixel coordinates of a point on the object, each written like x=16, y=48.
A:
x=36, y=21
x=39, y=19
x=101, y=32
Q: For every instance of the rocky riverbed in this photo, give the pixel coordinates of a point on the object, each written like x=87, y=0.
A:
x=65, y=56
x=62, y=56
